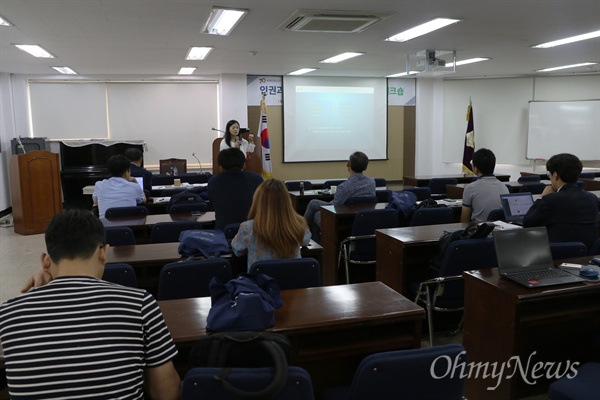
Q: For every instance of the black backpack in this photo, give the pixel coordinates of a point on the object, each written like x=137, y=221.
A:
x=184, y=197
x=473, y=231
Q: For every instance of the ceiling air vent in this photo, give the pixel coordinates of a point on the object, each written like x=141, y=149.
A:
x=330, y=21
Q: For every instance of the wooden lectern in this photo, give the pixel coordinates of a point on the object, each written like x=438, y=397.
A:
x=253, y=160
x=35, y=190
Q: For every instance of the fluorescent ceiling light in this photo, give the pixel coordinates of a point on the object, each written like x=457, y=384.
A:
x=198, y=53
x=566, y=66
x=186, y=70
x=572, y=39
x=468, y=61
x=403, y=74
x=222, y=20
x=302, y=71
x=34, y=50
x=4, y=22
x=341, y=57
x=420, y=30
x=65, y=70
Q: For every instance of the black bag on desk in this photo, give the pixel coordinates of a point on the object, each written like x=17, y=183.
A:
x=244, y=350
x=473, y=231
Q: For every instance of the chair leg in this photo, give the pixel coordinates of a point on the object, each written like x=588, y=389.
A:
x=346, y=264
x=459, y=327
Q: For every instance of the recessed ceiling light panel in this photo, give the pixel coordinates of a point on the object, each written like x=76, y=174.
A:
x=302, y=71
x=198, y=53
x=65, y=70
x=571, y=39
x=341, y=57
x=223, y=20
x=34, y=50
x=422, y=29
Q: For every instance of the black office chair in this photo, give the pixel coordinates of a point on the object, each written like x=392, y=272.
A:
x=199, y=206
x=187, y=279
x=361, y=200
x=231, y=230
x=584, y=385
x=438, y=186
x=432, y=216
x=380, y=182
x=595, y=250
x=122, y=274
x=171, y=192
x=294, y=186
x=422, y=193
x=115, y=212
x=564, y=250
x=533, y=187
x=165, y=232
x=383, y=196
x=496, y=214
x=587, y=175
x=529, y=178
x=333, y=182
x=296, y=273
x=119, y=236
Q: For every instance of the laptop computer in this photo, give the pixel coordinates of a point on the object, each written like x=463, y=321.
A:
x=515, y=206
x=524, y=257
x=140, y=181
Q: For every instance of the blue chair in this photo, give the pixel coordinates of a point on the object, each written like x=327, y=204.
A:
x=333, y=182
x=406, y=374
x=380, y=182
x=122, y=274
x=423, y=193
x=496, y=214
x=136, y=211
x=446, y=291
x=585, y=385
x=207, y=384
x=432, y=216
x=564, y=250
x=296, y=273
x=166, y=232
x=171, y=192
x=587, y=175
x=580, y=184
x=360, y=248
x=162, y=179
x=231, y=230
x=119, y=236
x=294, y=186
x=187, y=279
x=529, y=178
x=361, y=200
x=533, y=187
x=438, y=185
x=188, y=207
x=383, y=196
x=595, y=250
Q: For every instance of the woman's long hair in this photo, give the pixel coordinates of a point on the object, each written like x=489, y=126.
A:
x=276, y=224
x=228, y=134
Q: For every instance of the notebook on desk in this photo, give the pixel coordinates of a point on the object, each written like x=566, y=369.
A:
x=524, y=257
x=515, y=206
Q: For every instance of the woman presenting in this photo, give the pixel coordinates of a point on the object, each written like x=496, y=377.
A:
x=232, y=138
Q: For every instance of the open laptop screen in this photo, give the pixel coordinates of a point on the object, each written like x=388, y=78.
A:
x=522, y=249
x=516, y=205
x=140, y=181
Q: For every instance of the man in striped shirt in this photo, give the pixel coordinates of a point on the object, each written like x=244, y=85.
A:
x=79, y=337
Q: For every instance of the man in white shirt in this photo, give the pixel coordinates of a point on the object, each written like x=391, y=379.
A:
x=120, y=190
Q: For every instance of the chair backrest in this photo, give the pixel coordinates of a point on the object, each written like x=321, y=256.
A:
x=413, y=374
x=171, y=192
x=361, y=200
x=563, y=250
x=432, y=216
x=529, y=178
x=438, y=185
x=162, y=179
x=164, y=232
x=203, y=383
x=296, y=273
x=188, y=207
x=119, y=236
x=187, y=279
x=123, y=274
x=231, y=230
x=137, y=211
x=333, y=182
x=294, y=186
x=365, y=223
x=532, y=187
x=383, y=196
x=166, y=166
x=422, y=193
x=580, y=184
x=595, y=250
x=587, y=175
x=496, y=214
x=380, y=182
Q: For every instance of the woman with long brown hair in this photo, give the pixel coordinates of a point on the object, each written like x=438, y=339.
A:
x=274, y=230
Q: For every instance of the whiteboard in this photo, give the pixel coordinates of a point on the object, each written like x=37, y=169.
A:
x=564, y=127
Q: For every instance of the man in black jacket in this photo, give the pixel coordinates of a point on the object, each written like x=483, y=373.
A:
x=136, y=157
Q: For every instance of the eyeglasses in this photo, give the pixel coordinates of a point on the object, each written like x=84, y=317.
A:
x=548, y=174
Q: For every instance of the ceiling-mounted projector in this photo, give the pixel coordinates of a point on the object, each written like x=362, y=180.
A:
x=430, y=60
x=427, y=63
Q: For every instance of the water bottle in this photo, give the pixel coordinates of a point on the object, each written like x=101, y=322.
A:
x=175, y=171
x=301, y=188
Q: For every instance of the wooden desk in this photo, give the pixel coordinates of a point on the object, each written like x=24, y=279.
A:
x=299, y=202
x=503, y=319
x=591, y=184
x=403, y=252
x=331, y=328
x=336, y=224
x=423, y=180
x=543, y=175
x=148, y=260
x=456, y=191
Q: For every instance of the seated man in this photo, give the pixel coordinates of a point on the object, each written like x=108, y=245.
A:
x=231, y=191
x=569, y=213
x=483, y=195
x=136, y=157
x=76, y=335
x=356, y=185
x=120, y=190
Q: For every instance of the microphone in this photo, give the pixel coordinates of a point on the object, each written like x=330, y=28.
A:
x=218, y=130
x=199, y=163
x=21, y=144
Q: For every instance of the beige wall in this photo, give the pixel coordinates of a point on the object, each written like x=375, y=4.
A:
x=391, y=169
